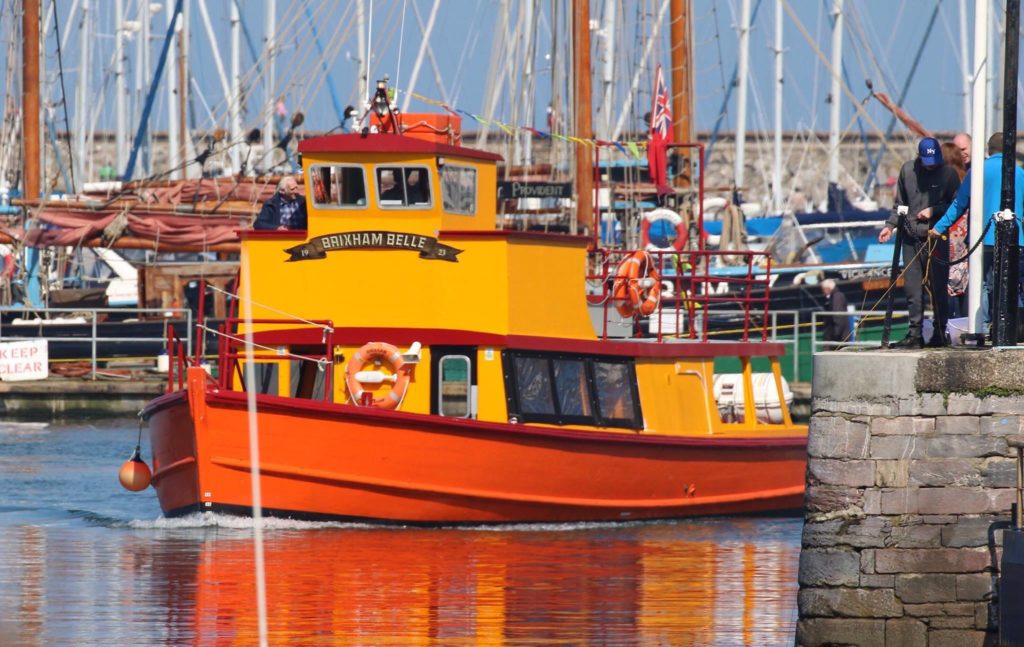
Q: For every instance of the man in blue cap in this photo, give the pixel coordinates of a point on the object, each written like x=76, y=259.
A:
x=991, y=203
x=925, y=189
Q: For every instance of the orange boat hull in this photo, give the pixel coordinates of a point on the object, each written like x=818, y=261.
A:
x=320, y=460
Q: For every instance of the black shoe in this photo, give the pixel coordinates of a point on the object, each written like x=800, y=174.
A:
x=938, y=340
x=910, y=341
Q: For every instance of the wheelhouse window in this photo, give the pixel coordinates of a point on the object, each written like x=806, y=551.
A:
x=456, y=391
x=403, y=186
x=572, y=389
x=458, y=189
x=336, y=186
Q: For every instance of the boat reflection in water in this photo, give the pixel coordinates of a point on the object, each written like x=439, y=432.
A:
x=720, y=582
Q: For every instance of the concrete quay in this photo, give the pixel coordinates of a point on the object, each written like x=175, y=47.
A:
x=910, y=482
x=57, y=398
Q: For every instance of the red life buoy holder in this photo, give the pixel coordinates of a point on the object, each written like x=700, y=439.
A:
x=378, y=353
x=637, y=286
x=663, y=214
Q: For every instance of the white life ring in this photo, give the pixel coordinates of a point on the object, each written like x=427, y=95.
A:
x=663, y=214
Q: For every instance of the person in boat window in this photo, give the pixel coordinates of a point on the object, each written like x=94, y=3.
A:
x=836, y=327
x=286, y=210
x=402, y=186
x=992, y=168
x=925, y=188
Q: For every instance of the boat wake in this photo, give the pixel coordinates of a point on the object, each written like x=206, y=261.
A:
x=215, y=520
x=23, y=428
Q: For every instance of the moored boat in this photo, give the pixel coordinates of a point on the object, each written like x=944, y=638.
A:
x=412, y=363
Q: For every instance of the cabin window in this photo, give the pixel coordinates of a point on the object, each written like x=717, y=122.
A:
x=307, y=380
x=266, y=376
x=403, y=186
x=572, y=389
x=455, y=391
x=336, y=186
x=458, y=189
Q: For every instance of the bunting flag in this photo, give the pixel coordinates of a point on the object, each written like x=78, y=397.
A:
x=626, y=147
x=660, y=134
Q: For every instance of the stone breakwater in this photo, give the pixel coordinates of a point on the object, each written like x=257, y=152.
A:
x=909, y=483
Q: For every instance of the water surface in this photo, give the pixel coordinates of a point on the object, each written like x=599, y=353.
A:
x=83, y=562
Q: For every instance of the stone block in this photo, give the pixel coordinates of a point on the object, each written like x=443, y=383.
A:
x=826, y=405
x=903, y=426
x=902, y=447
x=918, y=589
x=822, y=534
x=869, y=532
x=818, y=632
x=872, y=501
x=956, y=638
x=875, y=581
x=930, y=560
x=915, y=536
x=957, y=425
x=997, y=404
x=963, y=447
x=986, y=616
x=997, y=472
x=867, y=561
x=829, y=567
x=849, y=603
x=955, y=371
x=899, y=501
x=922, y=404
x=999, y=425
x=955, y=622
x=944, y=471
x=940, y=609
x=955, y=500
x=856, y=375
x=835, y=437
x=968, y=532
x=831, y=498
x=963, y=404
x=892, y=473
x=974, y=586
x=905, y=632
x=851, y=473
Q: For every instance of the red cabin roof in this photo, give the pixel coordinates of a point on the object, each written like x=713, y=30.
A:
x=388, y=143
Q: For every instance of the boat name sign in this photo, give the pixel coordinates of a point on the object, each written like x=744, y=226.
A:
x=427, y=246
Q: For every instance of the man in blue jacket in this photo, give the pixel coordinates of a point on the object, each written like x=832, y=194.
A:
x=286, y=210
x=991, y=202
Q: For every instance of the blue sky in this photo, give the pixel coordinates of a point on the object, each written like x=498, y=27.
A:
x=881, y=39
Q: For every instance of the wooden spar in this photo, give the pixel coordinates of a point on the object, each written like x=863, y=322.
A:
x=582, y=105
x=682, y=82
x=129, y=242
x=30, y=96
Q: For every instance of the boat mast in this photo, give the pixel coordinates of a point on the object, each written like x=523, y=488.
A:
x=777, y=195
x=965, y=65
x=582, y=103
x=81, y=110
x=608, y=26
x=234, y=102
x=837, y=70
x=120, y=98
x=362, y=66
x=184, y=75
x=268, y=84
x=173, y=152
x=30, y=95
x=978, y=115
x=742, y=66
x=683, y=130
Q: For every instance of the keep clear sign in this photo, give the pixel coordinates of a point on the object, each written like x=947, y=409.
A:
x=24, y=360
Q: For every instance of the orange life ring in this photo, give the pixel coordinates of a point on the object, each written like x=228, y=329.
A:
x=663, y=214
x=378, y=353
x=637, y=286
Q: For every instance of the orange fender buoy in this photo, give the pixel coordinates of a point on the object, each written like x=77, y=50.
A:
x=135, y=475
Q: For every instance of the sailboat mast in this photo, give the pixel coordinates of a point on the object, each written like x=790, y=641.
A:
x=234, y=102
x=173, y=153
x=837, y=70
x=30, y=95
x=268, y=80
x=742, y=65
x=965, y=65
x=683, y=130
x=777, y=200
x=582, y=103
x=81, y=109
x=979, y=93
x=120, y=98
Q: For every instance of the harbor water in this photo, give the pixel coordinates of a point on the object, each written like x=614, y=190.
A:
x=83, y=562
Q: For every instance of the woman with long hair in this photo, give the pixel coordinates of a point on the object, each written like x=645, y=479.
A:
x=957, y=286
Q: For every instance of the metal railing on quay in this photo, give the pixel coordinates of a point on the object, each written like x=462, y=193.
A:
x=857, y=319
x=17, y=324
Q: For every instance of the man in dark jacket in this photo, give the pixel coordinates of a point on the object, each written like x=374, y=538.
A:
x=836, y=327
x=286, y=210
x=924, y=191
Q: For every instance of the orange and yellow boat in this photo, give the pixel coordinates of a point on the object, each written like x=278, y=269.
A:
x=410, y=362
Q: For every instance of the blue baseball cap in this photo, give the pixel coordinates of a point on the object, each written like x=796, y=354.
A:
x=930, y=151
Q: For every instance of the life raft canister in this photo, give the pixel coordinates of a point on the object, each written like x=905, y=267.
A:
x=674, y=219
x=378, y=353
x=637, y=286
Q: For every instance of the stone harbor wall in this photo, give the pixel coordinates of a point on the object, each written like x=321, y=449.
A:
x=909, y=481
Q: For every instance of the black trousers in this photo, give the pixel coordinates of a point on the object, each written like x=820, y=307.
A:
x=921, y=271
